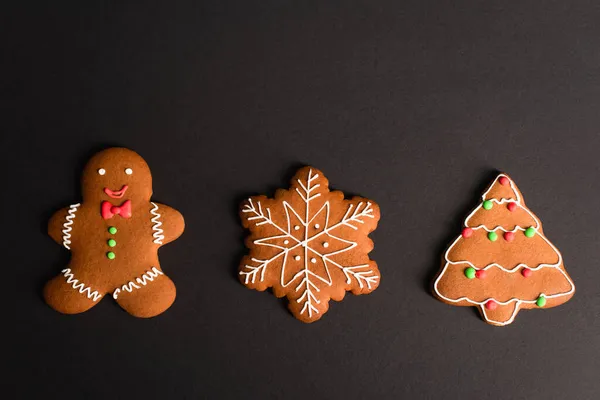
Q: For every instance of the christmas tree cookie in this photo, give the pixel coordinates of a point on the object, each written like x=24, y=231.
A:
x=309, y=244
x=502, y=262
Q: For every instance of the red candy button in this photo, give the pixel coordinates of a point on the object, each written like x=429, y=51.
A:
x=491, y=305
x=467, y=232
x=481, y=274
x=509, y=236
x=512, y=206
x=503, y=180
x=526, y=272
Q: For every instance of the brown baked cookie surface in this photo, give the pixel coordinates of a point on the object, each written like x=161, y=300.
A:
x=114, y=235
x=502, y=262
x=309, y=244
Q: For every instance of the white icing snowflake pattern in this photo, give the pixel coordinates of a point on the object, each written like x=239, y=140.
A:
x=309, y=246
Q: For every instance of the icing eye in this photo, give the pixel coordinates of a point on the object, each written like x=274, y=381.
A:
x=101, y=171
x=129, y=171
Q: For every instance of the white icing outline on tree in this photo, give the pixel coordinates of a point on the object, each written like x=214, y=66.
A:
x=308, y=283
x=512, y=270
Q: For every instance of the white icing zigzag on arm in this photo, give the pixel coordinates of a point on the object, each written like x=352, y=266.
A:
x=146, y=278
x=158, y=232
x=67, y=225
x=80, y=286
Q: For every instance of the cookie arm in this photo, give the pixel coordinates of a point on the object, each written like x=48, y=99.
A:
x=167, y=223
x=60, y=225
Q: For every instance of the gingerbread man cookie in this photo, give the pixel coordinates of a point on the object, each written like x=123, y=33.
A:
x=114, y=236
x=309, y=244
x=502, y=262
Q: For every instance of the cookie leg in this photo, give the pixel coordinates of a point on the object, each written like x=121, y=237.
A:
x=147, y=296
x=67, y=295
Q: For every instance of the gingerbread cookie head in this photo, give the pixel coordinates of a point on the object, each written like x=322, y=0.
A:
x=114, y=236
x=116, y=173
x=502, y=262
x=309, y=244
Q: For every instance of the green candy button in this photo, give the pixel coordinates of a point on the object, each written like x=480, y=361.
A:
x=488, y=204
x=529, y=232
x=112, y=230
x=541, y=301
x=493, y=236
x=112, y=242
x=110, y=255
x=470, y=272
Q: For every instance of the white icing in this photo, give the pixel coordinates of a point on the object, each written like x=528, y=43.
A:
x=143, y=280
x=517, y=302
x=355, y=214
x=286, y=241
x=128, y=171
x=325, y=244
x=80, y=286
x=317, y=226
x=101, y=171
x=158, y=232
x=68, y=225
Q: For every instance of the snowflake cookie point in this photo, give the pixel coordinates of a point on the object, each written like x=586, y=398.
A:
x=309, y=244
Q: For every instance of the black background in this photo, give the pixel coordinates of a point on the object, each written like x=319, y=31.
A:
x=415, y=105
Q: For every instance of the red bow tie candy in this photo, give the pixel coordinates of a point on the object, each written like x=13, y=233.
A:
x=108, y=210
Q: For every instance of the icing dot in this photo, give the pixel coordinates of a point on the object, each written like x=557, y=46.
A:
x=110, y=255
x=488, y=204
x=481, y=274
x=470, y=272
x=529, y=232
x=509, y=236
x=541, y=301
x=512, y=206
x=313, y=260
x=112, y=230
x=101, y=171
x=467, y=232
x=297, y=227
x=503, y=180
x=128, y=171
x=325, y=244
x=111, y=242
x=493, y=236
x=317, y=226
x=286, y=241
x=526, y=272
x=297, y=258
x=491, y=305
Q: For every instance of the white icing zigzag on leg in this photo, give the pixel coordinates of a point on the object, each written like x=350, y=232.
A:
x=80, y=286
x=146, y=278
x=158, y=232
x=67, y=225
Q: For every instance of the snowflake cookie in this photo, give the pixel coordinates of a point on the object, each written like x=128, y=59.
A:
x=309, y=244
x=502, y=262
